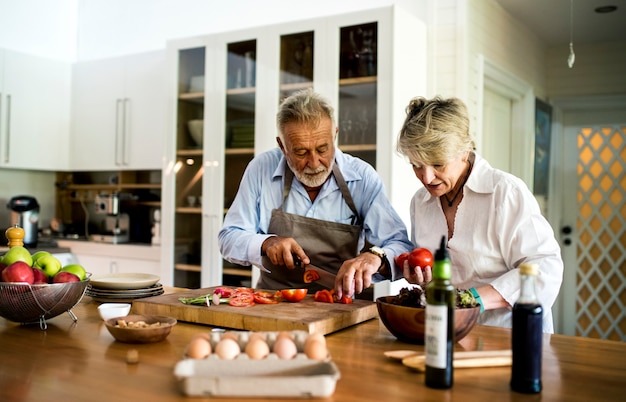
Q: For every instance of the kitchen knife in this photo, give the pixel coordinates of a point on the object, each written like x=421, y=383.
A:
x=326, y=279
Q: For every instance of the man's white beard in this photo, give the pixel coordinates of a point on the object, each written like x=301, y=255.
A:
x=321, y=174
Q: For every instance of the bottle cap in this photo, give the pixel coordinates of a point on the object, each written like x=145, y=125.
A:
x=528, y=269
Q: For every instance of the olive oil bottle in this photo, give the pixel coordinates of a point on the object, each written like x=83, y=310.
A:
x=527, y=333
x=439, y=339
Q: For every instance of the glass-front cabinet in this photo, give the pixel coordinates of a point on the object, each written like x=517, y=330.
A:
x=239, y=133
x=228, y=88
x=357, y=90
x=187, y=168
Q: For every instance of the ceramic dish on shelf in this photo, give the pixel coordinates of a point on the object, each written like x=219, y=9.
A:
x=124, y=295
x=123, y=281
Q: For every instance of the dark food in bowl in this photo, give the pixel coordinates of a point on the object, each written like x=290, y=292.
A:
x=404, y=315
x=416, y=297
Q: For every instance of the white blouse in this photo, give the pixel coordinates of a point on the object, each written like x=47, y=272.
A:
x=498, y=225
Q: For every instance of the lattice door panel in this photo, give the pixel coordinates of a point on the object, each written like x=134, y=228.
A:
x=601, y=244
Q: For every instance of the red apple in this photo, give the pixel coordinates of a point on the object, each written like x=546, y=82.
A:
x=18, y=272
x=64, y=276
x=40, y=276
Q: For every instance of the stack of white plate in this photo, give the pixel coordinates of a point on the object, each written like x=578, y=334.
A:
x=123, y=287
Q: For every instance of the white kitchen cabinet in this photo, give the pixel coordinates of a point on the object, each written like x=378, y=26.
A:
x=34, y=112
x=119, y=112
x=103, y=258
x=247, y=74
x=99, y=265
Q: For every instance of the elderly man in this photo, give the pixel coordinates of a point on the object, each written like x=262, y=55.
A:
x=307, y=202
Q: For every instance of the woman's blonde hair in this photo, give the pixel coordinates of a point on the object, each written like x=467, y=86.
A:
x=435, y=131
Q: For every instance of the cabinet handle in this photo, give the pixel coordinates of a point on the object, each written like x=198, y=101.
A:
x=125, y=114
x=7, y=138
x=113, y=267
x=118, y=140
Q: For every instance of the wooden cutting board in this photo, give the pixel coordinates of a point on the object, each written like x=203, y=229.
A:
x=306, y=315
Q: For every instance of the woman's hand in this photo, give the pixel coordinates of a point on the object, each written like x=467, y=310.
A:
x=418, y=275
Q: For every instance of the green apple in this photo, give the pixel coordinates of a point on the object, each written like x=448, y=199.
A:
x=75, y=269
x=39, y=254
x=17, y=253
x=49, y=264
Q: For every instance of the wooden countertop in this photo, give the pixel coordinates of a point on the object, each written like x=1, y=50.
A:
x=81, y=361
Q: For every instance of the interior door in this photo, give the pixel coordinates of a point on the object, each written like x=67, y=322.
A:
x=593, y=234
x=496, y=146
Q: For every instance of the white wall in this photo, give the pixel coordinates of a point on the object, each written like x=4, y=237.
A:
x=116, y=27
x=45, y=28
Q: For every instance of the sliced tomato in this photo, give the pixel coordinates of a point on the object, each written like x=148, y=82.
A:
x=310, y=276
x=242, y=299
x=343, y=300
x=263, y=297
x=293, y=295
x=323, y=296
x=223, y=291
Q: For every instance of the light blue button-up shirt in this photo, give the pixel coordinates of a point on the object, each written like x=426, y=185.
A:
x=261, y=191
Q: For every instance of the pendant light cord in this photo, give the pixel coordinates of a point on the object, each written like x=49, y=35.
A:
x=572, y=57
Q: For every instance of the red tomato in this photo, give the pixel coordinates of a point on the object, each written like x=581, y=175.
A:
x=223, y=291
x=293, y=295
x=421, y=257
x=263, y=297
x=399, y=259
x=344, y=300
x=323, y=296
x=310, y=276
x=242, y=299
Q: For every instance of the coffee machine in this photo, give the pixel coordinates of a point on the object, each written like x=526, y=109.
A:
x=116, y=225
x=25, y=214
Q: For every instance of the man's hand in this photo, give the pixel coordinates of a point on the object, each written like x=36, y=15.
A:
x=281, y=251
x=355, y=274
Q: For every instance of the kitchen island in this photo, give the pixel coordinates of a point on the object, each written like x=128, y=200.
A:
x=82, y=362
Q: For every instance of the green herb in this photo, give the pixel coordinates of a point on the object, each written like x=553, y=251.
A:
x=201, y=300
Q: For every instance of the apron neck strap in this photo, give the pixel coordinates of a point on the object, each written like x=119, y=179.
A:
x=341, y=183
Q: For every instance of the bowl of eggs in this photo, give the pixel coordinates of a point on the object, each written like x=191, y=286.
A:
x=140, y=328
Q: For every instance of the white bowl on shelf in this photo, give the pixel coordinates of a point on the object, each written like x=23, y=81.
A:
x=196, y=130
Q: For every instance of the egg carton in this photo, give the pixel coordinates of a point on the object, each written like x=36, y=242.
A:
x=299, y=377
x=242, y=338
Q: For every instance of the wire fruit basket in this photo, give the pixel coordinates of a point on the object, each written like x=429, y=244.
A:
x=31, y=304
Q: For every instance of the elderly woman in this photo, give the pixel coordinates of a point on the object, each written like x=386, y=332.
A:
x=492, y=221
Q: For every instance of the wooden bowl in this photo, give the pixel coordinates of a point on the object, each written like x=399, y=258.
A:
x=148, y=334
x=408, y=323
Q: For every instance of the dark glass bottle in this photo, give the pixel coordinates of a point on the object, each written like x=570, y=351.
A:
x=439, y=339
x=527, y=335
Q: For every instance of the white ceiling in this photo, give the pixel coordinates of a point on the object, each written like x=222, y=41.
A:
x=550, y=19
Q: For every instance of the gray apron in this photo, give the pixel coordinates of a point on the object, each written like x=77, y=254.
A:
x=328, y=244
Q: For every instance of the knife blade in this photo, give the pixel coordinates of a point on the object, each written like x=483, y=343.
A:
x=326, y=279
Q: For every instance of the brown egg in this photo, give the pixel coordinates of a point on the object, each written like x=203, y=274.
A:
x=285, y=348
x=257, y=348
x=284, y=334
x=315, y=349
x=227, y=349
x=198, y=348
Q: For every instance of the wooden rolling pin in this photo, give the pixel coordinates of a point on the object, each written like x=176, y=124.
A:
x=478, y=358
